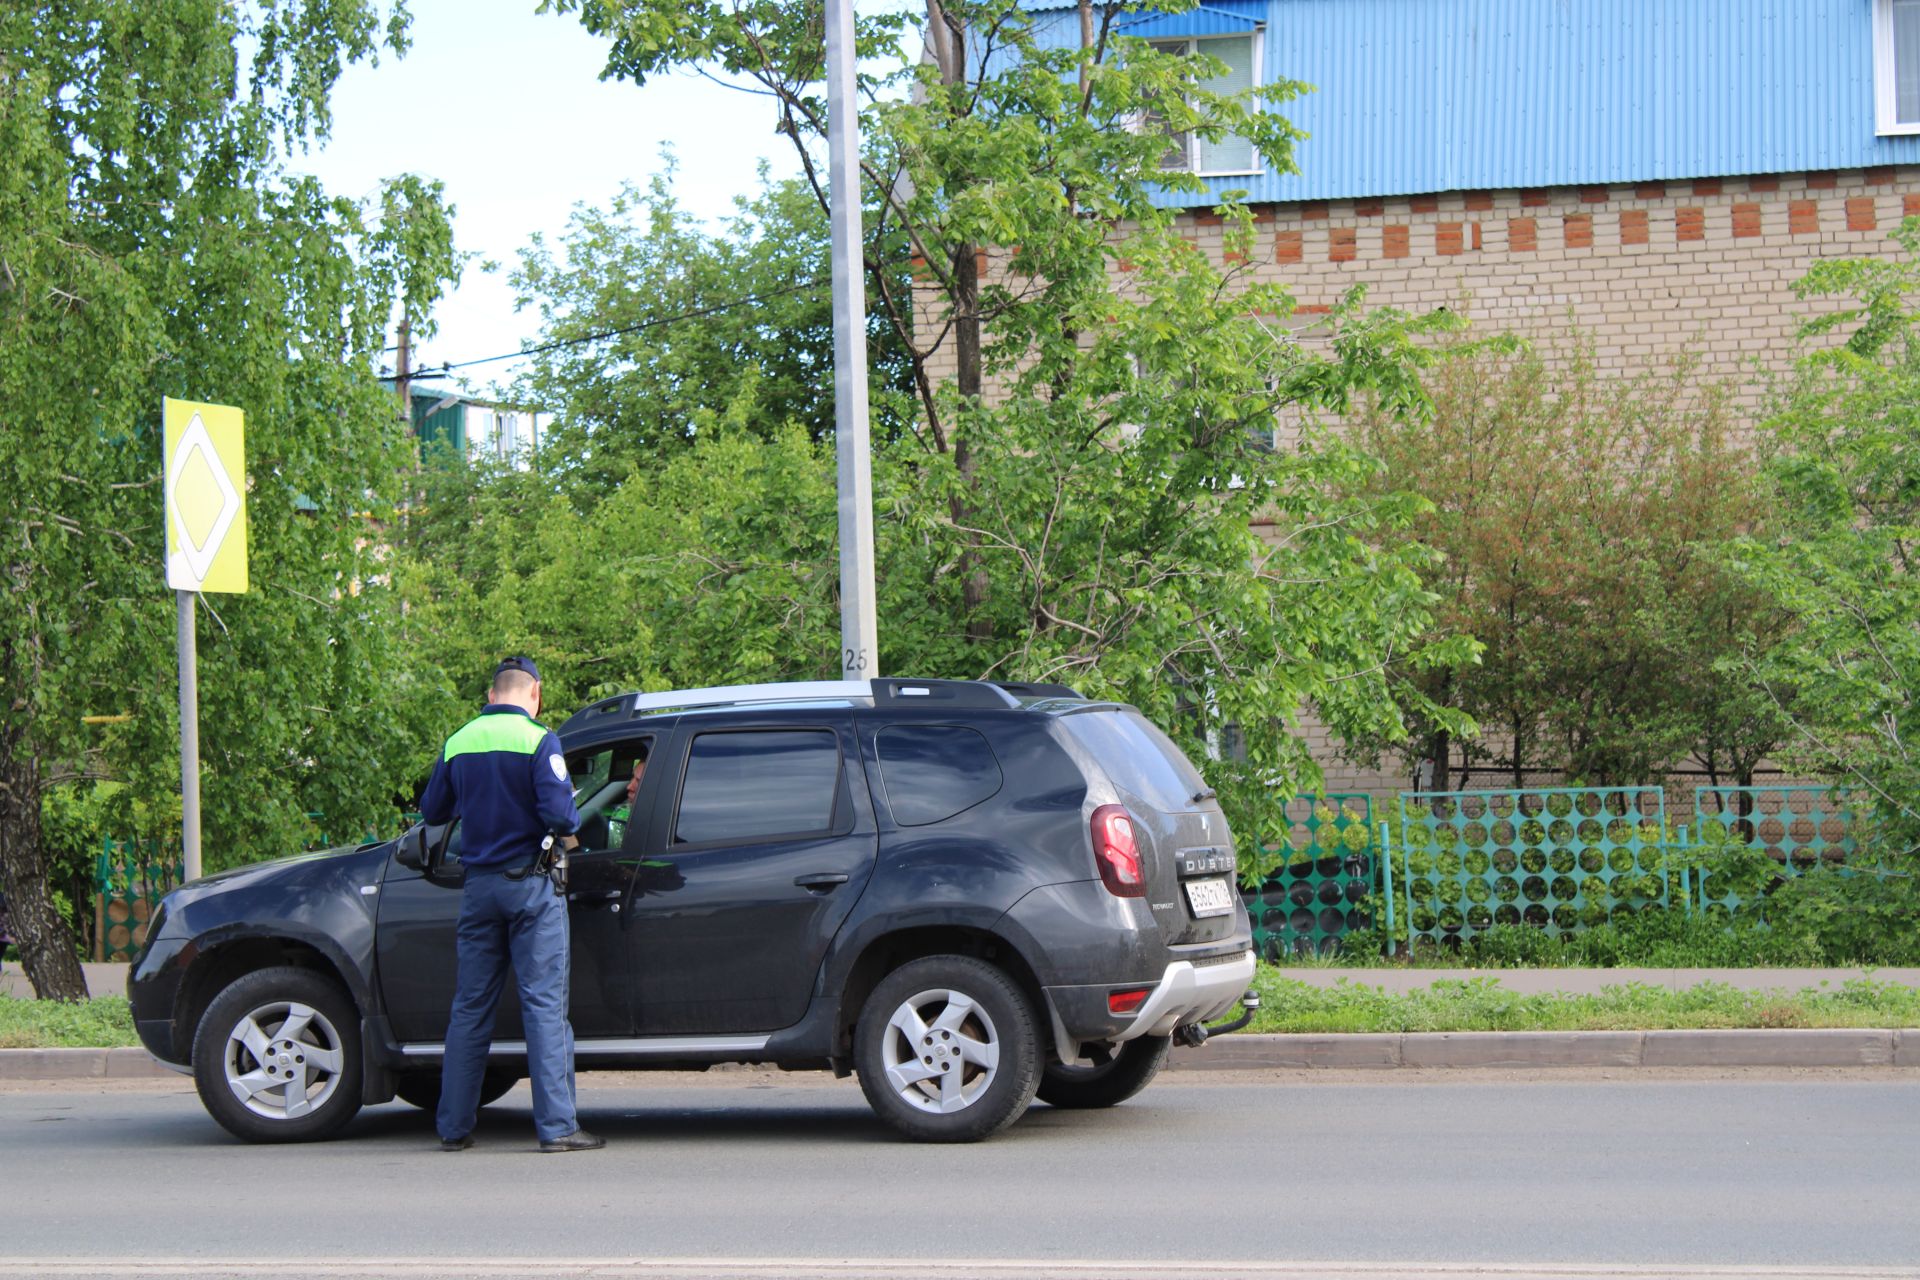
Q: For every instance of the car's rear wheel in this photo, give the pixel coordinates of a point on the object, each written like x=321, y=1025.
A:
x=947, y=1050
x=276, y=1057
x=1131, y=1069
x=422, y=1088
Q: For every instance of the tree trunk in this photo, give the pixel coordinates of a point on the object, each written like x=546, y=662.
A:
x=48, y=950
x=968, y=377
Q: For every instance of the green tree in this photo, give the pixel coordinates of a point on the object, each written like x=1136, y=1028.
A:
x=1845, y=475
x=653, y=327
x=1075, y=495
x=152, y=244
x=714, y=565
x=1577, y=520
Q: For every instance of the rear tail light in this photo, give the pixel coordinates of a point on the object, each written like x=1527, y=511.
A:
x=1116, y=854
x=1126, y=1001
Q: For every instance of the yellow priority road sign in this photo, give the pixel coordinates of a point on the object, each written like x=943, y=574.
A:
x=206, y=486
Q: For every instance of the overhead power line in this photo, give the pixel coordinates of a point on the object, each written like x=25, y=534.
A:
x=622, y=331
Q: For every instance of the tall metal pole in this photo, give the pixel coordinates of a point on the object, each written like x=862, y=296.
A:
x=859, y=644
x=189, y=738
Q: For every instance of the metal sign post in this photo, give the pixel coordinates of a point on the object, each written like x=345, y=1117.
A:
x=206, y=503
x=189, y=736
x=859, y=646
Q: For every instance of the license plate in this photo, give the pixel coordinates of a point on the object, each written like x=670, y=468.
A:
x=1209, y=898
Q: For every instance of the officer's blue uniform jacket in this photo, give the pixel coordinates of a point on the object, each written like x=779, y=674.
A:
x=503, y=775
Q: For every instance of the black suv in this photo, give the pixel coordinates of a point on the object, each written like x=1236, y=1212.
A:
x=968, y=893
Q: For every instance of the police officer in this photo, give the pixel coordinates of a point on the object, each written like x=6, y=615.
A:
x=503, y=775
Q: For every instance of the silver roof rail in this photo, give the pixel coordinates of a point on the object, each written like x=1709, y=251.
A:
x=731, y=695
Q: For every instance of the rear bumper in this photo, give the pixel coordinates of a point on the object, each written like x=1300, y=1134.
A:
x=1186, y=992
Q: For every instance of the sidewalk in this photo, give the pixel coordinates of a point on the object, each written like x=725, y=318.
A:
x=102, y=980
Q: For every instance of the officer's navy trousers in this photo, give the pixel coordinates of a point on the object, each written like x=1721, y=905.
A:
x=524, y=921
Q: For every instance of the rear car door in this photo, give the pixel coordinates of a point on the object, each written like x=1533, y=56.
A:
x=761, y=842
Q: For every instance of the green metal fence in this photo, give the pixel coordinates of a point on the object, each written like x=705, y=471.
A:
x=130, y=878
x=1794, y=830
x=1557, y=858
x=1320, y=889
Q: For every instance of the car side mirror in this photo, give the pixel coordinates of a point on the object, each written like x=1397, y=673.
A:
x=411, y=852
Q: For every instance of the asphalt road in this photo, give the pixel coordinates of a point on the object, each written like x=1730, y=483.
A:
x=749, y=1174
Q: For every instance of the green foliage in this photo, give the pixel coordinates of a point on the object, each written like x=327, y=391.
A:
x=714, y=566
x=1482, y=1004
x=1845, y=477
x=1850, y=917
x=704, y=330
x=152, y=243
x=104, y=1022
x=1075, y=494
x=1574, y=517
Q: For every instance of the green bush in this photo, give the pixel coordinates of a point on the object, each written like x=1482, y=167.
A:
x=1851, y=918
x=1676, y=939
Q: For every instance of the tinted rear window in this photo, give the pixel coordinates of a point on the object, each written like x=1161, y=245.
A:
x=1137, y=756
x=743, y=786
x=933, y=771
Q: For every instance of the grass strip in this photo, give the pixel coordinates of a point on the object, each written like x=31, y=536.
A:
x=103, y=1022
x=1481, y=1004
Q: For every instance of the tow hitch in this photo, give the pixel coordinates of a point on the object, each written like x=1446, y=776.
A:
x=1195, y=1034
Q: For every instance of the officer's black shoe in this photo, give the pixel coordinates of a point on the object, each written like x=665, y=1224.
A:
x=460, y=1143
x=578, y=1140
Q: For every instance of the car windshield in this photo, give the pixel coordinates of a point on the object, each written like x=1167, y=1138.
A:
x=1138, y=756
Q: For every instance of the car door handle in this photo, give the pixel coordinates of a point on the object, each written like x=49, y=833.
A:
x=595, y=897
x=821, y=881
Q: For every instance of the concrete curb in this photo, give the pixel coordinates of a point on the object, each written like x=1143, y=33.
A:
x=1527, y=1050
x=80, y=1064
x=1496, y=1050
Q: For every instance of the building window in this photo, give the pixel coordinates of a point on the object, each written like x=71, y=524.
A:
x=1230, y=155
x=1896, y=65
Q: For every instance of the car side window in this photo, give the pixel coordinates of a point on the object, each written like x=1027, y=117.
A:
x=606, y=787
x=757, y=784
x=933, y=771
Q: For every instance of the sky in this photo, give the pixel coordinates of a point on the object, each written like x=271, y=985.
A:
x=507, y=109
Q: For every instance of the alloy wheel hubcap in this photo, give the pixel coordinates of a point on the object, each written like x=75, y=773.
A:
x=283, y=1060
x=941, y=1051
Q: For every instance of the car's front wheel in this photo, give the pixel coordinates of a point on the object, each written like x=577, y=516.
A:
x=946, y=1050
x=1131, y=1069
x=276, y=1057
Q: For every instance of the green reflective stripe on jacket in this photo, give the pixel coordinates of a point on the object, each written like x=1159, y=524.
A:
x=518, y=734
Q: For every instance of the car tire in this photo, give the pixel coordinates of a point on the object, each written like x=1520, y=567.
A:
x=976, y=1062
x=1126, y=1073
x=422, y=1088
x=276, y=1057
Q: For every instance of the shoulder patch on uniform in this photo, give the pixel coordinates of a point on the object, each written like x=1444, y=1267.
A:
x=559, y=767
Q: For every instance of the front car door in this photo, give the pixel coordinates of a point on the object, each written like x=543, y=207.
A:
x=418, y=910
x=614, y=790
x=760, y=843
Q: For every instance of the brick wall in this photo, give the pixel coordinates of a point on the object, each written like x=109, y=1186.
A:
x=1646, y=270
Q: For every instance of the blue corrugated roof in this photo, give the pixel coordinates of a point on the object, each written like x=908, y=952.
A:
x=1441, y=95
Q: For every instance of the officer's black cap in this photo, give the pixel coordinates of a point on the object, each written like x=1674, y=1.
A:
x=516, y=664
